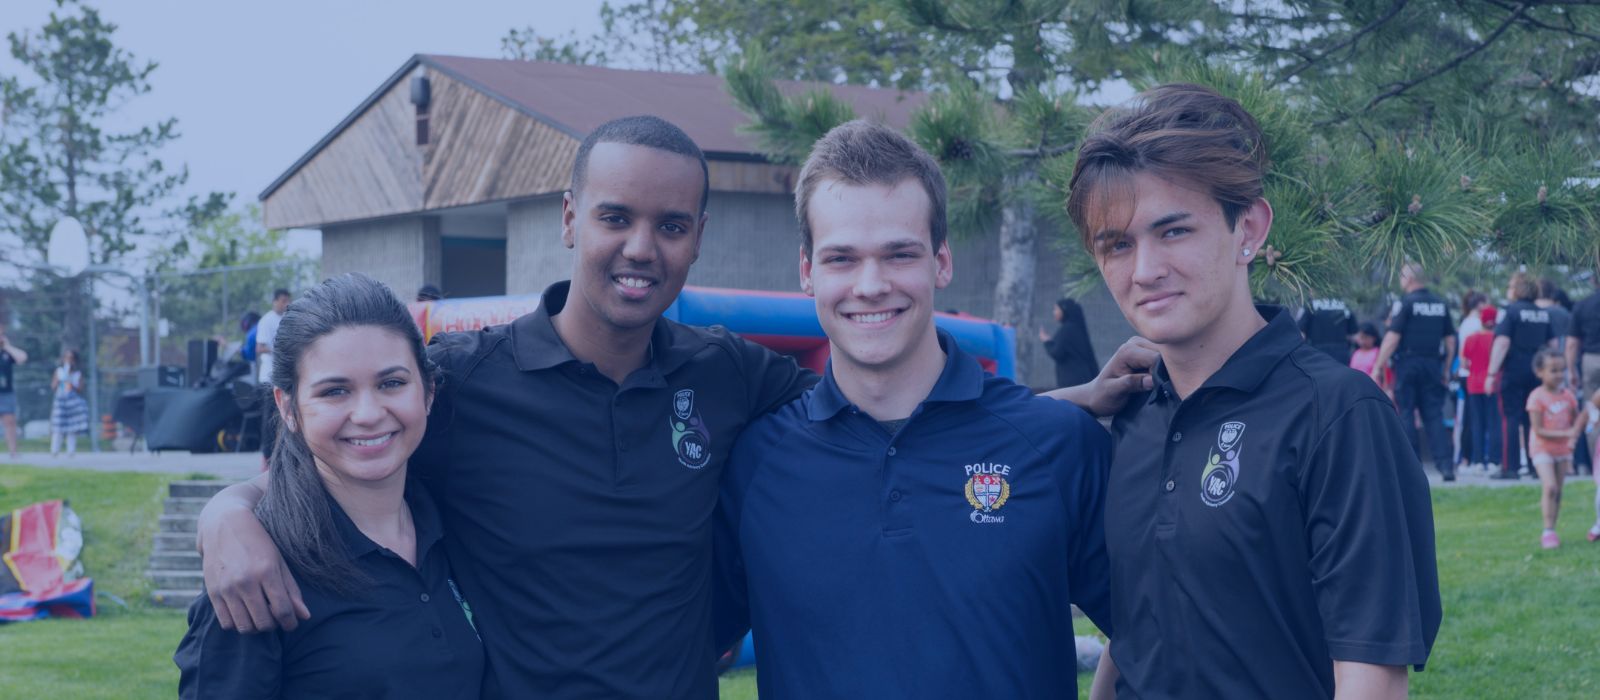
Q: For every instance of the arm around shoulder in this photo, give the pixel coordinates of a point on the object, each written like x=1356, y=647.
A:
x=249, y=585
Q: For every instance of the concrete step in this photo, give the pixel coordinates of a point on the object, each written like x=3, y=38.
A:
x=185, y=506
x=204, y=488
x=175, y=560
x=171, y=598
x=175, y=542
x=179, y=523
x=178, y=580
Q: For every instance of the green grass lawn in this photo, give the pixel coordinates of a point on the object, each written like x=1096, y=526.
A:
x=1519, y=622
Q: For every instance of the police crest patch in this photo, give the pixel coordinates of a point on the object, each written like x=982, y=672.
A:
x=987, y=491
x=690, y=438
x=1221, y=471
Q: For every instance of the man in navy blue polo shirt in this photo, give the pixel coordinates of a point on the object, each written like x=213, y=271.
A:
x=1269, y=526
x=910, y=527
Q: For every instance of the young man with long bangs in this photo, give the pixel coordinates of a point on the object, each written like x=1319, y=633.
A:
x=1269, y=526
x=910, y=527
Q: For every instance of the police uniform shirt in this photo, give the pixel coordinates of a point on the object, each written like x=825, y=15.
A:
x=1327, y=325
x=1423, y=322
x=941, y=561
x=1274, y=521
x=579, y=512
x=7, y=364
x=1529, y=329
x=407, y=634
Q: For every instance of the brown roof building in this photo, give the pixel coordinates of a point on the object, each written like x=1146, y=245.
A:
x=452, y=172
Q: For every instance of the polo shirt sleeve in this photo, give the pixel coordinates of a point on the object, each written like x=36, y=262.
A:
x=1400, y=317
x=771, y=379
x=215, y=663
x=1084, y=467
x=1369, y=523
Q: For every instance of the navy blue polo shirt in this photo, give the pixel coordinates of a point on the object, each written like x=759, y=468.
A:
x=941, y=561
x=1272, y=522
x=1530, y=331
x=578, y=511
x=409, y=634
x=1423, y=322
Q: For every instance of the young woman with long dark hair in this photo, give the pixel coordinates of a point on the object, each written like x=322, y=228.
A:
x=353, y=388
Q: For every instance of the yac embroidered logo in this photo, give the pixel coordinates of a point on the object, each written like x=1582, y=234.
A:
x=690, y=439
x=987, y=491
x=1221, y=472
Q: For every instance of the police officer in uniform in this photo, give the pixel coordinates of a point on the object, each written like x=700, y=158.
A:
x=1422, y=341
x=1522, y=332
x=1327, y=325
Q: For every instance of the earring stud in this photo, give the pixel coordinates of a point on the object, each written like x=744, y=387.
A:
x=1247, y=252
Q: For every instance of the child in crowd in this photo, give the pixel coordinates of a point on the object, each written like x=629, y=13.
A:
x=1483, y=408
x=1553, y=413
x=69, y=415
x=1366, y=355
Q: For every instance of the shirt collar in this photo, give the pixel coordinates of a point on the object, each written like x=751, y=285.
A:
x=536, y=345
x=1249, y=365
x=960, y=380
x=424, y=518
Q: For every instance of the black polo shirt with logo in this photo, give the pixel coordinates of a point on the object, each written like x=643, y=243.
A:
x=579, y=512
x=1528, y=327
x=407, y=634
x=1272, y=522
x=1327, y=325
x=1423, y=322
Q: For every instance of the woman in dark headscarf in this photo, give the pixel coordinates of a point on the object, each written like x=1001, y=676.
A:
x=1070, y=348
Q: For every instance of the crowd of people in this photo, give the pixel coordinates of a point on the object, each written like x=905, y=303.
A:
x=1499, y=390
x=595, y=501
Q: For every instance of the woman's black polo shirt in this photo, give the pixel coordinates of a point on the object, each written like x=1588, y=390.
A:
x=1272, y=522
x=407, y=635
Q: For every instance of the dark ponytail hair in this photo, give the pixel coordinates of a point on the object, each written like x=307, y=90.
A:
x=296, y=510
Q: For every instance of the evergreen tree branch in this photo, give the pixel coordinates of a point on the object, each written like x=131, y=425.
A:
x=1394, y=11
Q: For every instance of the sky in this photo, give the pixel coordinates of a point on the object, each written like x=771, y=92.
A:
x=254, y=84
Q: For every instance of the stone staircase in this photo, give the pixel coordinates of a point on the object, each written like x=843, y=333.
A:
x=174, y=563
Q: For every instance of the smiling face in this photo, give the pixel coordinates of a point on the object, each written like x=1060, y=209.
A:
x=873, y=271
x=1174, y=265
x=636, y=227
x=360, y=404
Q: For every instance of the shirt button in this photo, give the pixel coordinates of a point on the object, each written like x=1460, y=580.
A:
x=1177, y=437
x=894, y=495
x=891, y=451
x=437, y=633
x=424, y=597
x=1171, y=484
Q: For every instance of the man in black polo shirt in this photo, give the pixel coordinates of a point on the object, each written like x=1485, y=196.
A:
x=575, y=453
x=1269, y=527
x=1327, y=325
x=1422, y=341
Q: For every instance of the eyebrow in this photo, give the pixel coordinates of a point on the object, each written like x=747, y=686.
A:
x=891, y=246
x=397, y=369
x=670, y=214
x=1167, y=220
